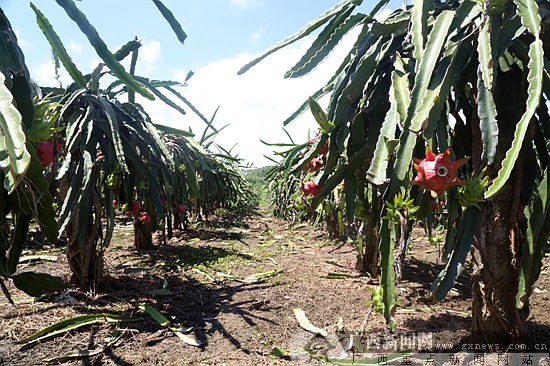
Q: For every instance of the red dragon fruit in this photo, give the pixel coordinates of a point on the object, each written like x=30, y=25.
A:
x=45, y=152
x=438, y=173
x=314, y=165
x=181, y=208
x=310, y=188
x=144, y=217
x=313, y=141
x=134, y=207
x=324, y=149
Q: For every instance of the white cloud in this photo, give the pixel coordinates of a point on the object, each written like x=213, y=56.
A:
x=25, y=45
x=257, y=34
x=93, y=64
x=75, y=48
x=254, y=104
x=149, y=57
x=383, y=14
x=44, y=75
x=150, y=53
x=243, y=3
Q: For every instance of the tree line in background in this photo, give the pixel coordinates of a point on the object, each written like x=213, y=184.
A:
x=257, y=179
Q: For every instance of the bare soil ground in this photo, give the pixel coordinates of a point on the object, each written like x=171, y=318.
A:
x=203, y=282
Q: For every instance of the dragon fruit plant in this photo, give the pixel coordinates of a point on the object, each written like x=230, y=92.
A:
x=469, y=76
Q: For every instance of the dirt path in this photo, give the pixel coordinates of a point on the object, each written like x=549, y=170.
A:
x=233, y=285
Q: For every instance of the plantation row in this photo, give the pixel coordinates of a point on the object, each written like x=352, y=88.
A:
x=438, y=116
x=75, y=159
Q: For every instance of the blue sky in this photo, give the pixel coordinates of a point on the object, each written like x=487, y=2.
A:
x=222, y=36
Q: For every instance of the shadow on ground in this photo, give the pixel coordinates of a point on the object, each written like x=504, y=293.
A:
x=161, y=279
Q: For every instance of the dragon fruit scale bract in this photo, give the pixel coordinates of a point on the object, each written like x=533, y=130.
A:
x=438, y=173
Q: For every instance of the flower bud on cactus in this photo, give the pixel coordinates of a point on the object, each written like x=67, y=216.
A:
x=472, y=192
